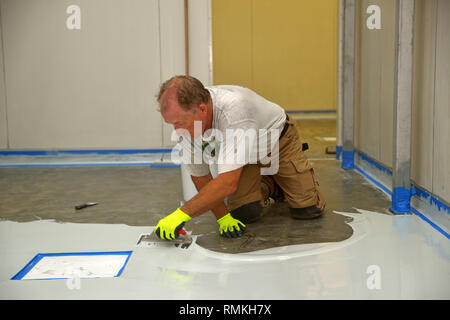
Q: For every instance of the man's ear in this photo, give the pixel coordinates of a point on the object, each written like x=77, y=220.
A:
x=203, y=108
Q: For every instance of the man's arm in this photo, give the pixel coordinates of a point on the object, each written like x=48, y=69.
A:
x=211, y=193
x=220, y=209
x=210, y=196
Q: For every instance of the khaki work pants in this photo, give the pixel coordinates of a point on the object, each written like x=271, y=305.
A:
x=295, y=177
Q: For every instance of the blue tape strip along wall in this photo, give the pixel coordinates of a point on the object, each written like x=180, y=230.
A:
x=6, y=153
x=69, y=152
x=401, y=196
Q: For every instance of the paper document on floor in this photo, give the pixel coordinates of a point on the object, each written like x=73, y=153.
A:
x=70, y=265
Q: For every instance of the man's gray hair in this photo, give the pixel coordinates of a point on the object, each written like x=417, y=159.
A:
x=190, y=92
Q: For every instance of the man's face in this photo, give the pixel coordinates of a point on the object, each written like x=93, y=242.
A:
x=184, y=120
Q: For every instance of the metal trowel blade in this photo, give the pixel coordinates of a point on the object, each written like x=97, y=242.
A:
x=151, y=240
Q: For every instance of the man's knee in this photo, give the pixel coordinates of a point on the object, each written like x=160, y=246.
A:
x=248, y=213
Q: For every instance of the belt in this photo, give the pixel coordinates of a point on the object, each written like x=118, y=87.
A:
x=286, y=126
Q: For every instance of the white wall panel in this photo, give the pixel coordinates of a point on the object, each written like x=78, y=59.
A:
x=87, y=88
x=95, y=87
x=387, y=79
x=173, y=61
x=376, y=58
x=441, y=154
x=423, y=93
x=200, y=41
x=3, y=115
x=431, y=92
x=3, y=122
x=369, y=103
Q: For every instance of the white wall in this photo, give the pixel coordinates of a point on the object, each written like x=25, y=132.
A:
x=423, y=93
x=430, y=167
x=3, y=123
x=441, y=133
x=173, y=60
x=375, y=78
x=200, y=51
x=94, y=88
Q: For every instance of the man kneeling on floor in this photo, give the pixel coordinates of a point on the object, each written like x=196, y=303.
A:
x=255, y=146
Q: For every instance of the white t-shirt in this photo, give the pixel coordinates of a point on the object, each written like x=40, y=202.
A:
x=245, y=126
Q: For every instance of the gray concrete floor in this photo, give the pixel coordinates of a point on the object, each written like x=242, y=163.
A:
x=313, y=131
x=137, y=195
x=141, y=195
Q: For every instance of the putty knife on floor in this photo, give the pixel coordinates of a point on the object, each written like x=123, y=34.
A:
x=183, y=241
x=85, y=205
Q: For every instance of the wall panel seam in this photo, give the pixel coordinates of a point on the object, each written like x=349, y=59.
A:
x=4, y=79
x=160, y=65
x=252, y=21
x=433, y=106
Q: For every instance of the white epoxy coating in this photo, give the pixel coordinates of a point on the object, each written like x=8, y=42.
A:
x=387, y=257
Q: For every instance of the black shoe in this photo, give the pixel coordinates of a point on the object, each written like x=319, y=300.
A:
x=277, y=195
x=248, y=213
x=312, y=212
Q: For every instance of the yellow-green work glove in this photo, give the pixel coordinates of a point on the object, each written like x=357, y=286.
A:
x=168, y=227
x=230, y=227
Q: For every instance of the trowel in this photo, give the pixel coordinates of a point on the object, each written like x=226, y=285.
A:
x=183, y=240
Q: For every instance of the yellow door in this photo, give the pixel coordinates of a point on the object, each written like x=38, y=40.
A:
x=286, y=50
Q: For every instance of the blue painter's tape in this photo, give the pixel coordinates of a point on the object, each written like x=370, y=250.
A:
x=433, y=201
x=414, y=191
x=125, y=263
x=401, y=198
x=348, y=159
x=68, y=152
x=163, y=165
x=378, y=184
x=431, y=223
x=310, y=111
x=338, y=152
x=64, y=165
x=30, y=265
x=69, y=165
x=374, y=163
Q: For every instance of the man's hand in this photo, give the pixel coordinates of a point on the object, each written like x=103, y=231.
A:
x=168, y=227
x=230, y=227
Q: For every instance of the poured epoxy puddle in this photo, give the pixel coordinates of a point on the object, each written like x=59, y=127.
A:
x=276, y=229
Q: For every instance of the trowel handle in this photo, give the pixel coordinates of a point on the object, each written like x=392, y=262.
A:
x=182, y=232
